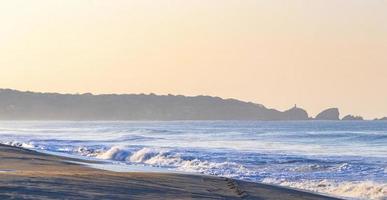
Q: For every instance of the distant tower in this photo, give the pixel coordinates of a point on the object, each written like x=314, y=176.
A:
x=295, y=105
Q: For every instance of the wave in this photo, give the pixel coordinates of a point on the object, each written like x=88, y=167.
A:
x=132, y=138
x=164, y=157
x=298, y=172
x=114, y=153
x=356, y=190
x=26, y=145
x=322, y=167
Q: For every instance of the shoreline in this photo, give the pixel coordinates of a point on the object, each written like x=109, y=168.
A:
x=30, y=174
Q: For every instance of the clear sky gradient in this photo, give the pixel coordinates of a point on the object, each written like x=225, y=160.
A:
x=317, y=54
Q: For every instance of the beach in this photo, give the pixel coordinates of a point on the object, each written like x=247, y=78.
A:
x=27, y=174
x=298, y=155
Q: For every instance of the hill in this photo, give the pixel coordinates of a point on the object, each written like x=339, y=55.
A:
x=17, y=105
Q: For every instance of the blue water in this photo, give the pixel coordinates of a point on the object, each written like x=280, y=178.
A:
x=347, y=159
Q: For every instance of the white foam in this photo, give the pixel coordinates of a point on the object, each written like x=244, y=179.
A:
x=153, y=156
x=163, y=157
x=114, y=153
x=19, y=144
x=356, y=190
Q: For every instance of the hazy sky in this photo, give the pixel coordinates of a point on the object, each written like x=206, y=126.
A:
x=316, y=53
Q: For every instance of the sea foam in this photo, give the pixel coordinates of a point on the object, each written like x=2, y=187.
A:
x=356, y=189
x=316, y=156
x=26, y=145
x=164, y=157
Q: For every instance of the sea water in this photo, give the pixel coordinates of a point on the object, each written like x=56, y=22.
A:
x=344, y=159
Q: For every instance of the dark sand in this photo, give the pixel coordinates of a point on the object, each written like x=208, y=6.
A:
x=26, y=174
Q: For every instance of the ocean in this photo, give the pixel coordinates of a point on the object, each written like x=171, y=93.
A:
x=339, y=158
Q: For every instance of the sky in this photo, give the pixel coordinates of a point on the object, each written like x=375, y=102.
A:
x=316, y=54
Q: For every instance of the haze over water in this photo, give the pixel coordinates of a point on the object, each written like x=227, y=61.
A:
x=278, y=53
x=347, y=159
x=316, y=54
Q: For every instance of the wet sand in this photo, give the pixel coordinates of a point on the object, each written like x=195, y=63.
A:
x=26, y=174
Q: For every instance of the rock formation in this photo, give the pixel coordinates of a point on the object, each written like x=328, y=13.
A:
x=329, y=114
x=295, y=113
x=352, y=117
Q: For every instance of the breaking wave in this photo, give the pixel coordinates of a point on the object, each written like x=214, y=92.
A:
x=163, y=157
x=356, y=190
x=172, y=159
x=26, y=145
x=340, y=159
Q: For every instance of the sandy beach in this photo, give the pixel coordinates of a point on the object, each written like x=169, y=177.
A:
x=26, y=174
